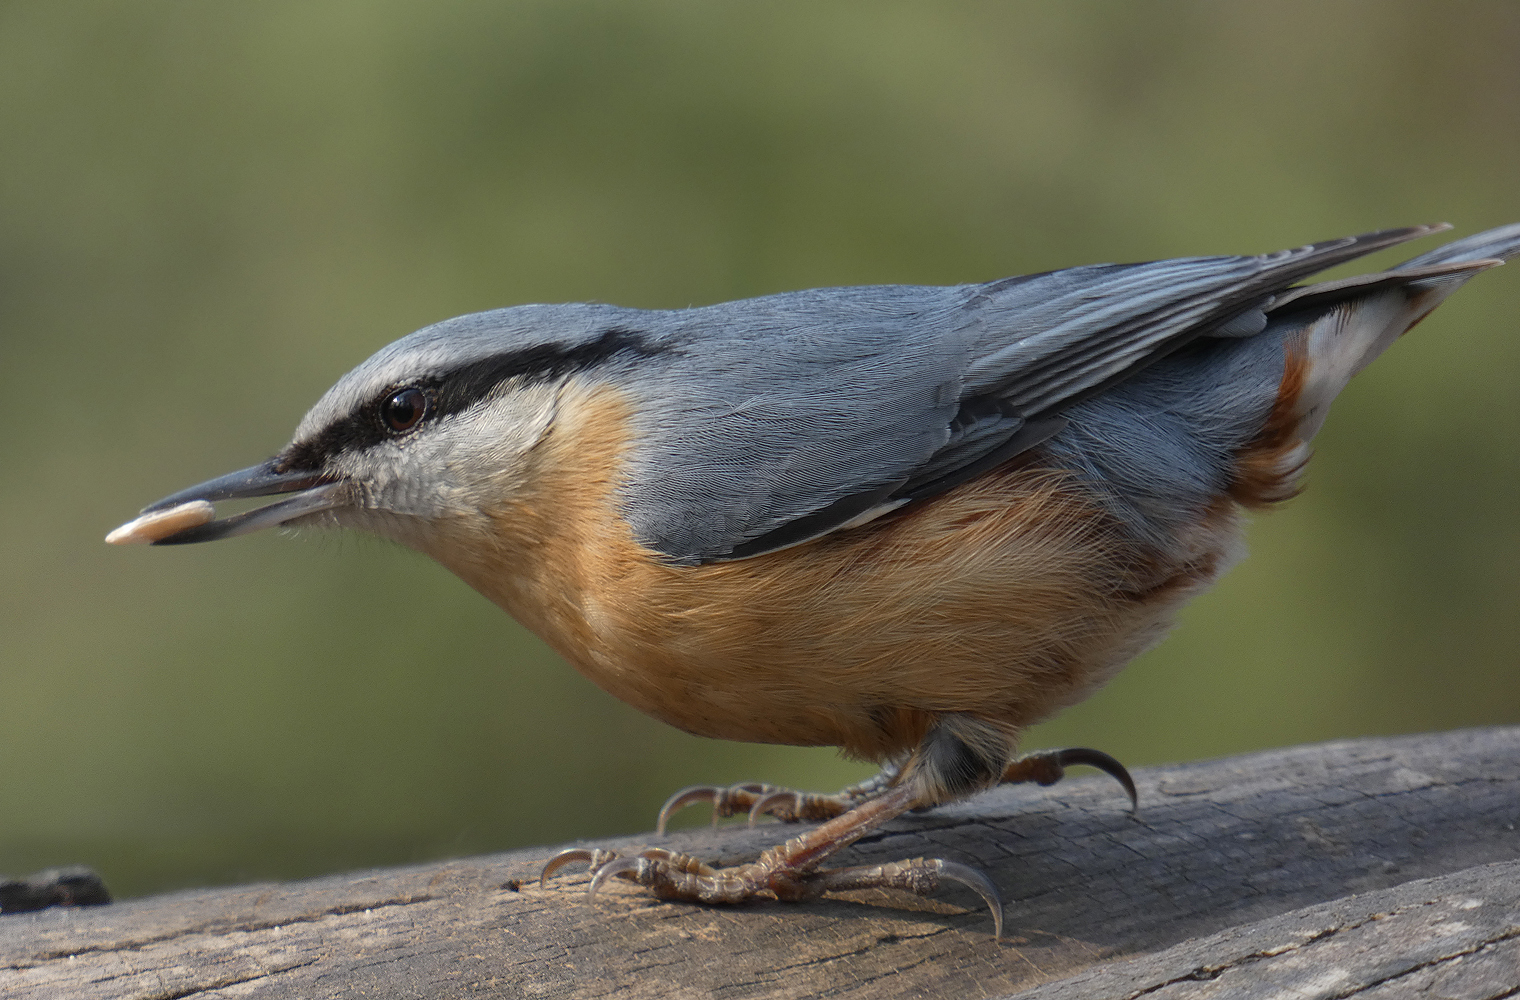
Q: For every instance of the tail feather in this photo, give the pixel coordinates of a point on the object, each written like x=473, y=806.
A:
x=1352, y=332
x=1334, y=329
x=1324, y=294
x=1494, y=244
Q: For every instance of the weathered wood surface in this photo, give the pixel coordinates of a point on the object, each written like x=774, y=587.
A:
x=1360, y=868
x=1455, y=936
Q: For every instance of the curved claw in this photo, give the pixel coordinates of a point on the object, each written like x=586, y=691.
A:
x=721, y=799
x=684, y=798
x=562, y=859
x=615, y=867
x=1106, y=764
x=763, y=803
x=977, y=883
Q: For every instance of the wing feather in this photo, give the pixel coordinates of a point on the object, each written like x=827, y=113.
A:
x=779, y=419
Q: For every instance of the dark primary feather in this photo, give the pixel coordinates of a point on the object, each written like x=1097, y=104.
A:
x=778, y=419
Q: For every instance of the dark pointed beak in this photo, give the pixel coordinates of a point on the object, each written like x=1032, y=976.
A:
x=186, y=516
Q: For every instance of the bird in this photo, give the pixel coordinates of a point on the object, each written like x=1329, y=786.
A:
x=906, y=521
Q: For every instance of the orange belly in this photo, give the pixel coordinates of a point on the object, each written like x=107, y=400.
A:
x=1007, y=598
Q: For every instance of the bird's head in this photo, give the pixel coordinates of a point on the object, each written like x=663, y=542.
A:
x=422, y=442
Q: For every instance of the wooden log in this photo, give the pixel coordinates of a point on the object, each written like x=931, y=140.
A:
x=1453, y=936
x=1335, y=870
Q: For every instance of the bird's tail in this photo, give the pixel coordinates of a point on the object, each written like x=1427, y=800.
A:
x=1495, y=244
x=1334, y=329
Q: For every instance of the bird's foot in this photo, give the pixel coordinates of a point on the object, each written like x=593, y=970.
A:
x=790, y=872
x=1049, y=766
x=682, y=877
x=788, y=805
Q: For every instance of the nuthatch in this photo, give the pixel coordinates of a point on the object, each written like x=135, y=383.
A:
x=905, y=521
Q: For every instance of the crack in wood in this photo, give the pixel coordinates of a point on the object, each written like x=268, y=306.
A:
x=215, y=927
x=1433, y=963
x=1099, y=905
x=235, y=981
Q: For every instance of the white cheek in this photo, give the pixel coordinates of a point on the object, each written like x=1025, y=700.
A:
x=464, y=464
x=487, y=458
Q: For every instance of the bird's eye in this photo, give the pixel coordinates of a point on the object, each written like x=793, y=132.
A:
x=402, y=411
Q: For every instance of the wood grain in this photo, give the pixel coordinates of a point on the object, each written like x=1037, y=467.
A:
x=1357, y=862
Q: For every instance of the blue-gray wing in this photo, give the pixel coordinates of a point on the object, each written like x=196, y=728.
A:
x=771, y=421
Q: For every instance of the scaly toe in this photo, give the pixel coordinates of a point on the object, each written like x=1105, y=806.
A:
x=921, y=876
x=1049, y=766
x=729, y=801
x=669, y=875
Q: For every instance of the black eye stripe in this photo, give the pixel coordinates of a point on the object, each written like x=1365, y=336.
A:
x=462, y=387
x=468, y=384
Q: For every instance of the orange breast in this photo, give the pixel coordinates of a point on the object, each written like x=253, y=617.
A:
x=1007, y=598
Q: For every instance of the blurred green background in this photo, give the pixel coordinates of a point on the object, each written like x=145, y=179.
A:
x=209, y=211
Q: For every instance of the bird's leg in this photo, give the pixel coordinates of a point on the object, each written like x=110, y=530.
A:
x=960, y=756
x=790, y=871
x=789, y=806
x=755, y=799
x=1049, y=766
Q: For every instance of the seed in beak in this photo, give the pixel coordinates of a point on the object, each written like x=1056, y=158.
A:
x=162, y=523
